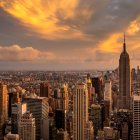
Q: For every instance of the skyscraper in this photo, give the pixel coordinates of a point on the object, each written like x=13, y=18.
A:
x=18, y=109
x=124, y=79
x=39, y=107
x=45, y=89
x=80, y=109
x=97, y=84
x=107, y=101
x=136, y=117
x=3, y=108
x=64, y=97
x=60, y=119
x=27, y=127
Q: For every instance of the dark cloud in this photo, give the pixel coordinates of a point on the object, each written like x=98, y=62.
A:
x=96, y=20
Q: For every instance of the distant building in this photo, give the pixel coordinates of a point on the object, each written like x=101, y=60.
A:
x=13, y=97
x=39, y=107
x=124, y=80
x=27, y=127
x=18, y=109
x=97, y=84
x=91, y=92
x=3, y=108
x=80, y=110
x=10, y=136
x=60, y=119
x=96, y=117
x=64, y=97
x=108, y=133
x=125, y=131
x=62, y=135
x=134, y=75
x=136, y=117
x=107, y=101
x=45, y=89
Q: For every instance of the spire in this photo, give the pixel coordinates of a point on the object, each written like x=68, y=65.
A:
x=124, y=45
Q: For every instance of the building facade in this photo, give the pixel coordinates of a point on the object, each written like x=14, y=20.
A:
x=39, y=107
x=124, y=101
x=3, y=108
x=27, y=127
x=80, y=110
x=136, y=117
x=10, y=136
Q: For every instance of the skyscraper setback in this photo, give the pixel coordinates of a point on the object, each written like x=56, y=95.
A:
x=124, y=79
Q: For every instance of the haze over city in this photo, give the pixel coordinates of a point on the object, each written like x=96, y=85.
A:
x=67, y=35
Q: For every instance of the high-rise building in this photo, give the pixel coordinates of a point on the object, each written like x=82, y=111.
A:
x=60, y=119
x=45, y=89
x=97, y=84
x=91, y=92
x=124, y=80
x=3, y=108
x=27, y=127
x=64, y=97
x=10, y=136
x=18, y=109
x=13, y=97
x=39, y=107
x=125, y=131
x=107, y=101
x=96, y=117
x=80, y=110
x=136, y=117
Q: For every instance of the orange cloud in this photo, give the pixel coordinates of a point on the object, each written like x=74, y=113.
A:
x=111, y=44
x=134, y=27
x=45, y=17
x=16, y=53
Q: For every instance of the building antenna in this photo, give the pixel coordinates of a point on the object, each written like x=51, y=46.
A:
x=124, y=45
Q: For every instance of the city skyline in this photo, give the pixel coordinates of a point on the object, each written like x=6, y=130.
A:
x=67, y=35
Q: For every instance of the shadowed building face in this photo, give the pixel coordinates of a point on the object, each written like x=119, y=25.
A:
x=124, y=79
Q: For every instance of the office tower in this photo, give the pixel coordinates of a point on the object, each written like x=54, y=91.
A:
x=8, y=127
x=10, y=136
x=125, y=131
x=45, y=90
x=108, y=133
x=136, y=117
x=18, y=109
x=62, y=135
x=70, y=123
x=60, y=119
x=97, y=84
x=134, y=75
x=3, y=108
x=138, y=74
x=27, y=127
x=90, y=92
x=13, y=98
x=64, y=97
x=124, y=80
x=51, y=129
x=107, y=101
x=80, y=112
x=96, y=117
x=39, y=107
x=90, y=131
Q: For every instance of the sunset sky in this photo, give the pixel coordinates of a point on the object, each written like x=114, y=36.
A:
x=67, y=34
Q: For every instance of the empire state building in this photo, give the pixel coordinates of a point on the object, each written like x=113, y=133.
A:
x=124, y=80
